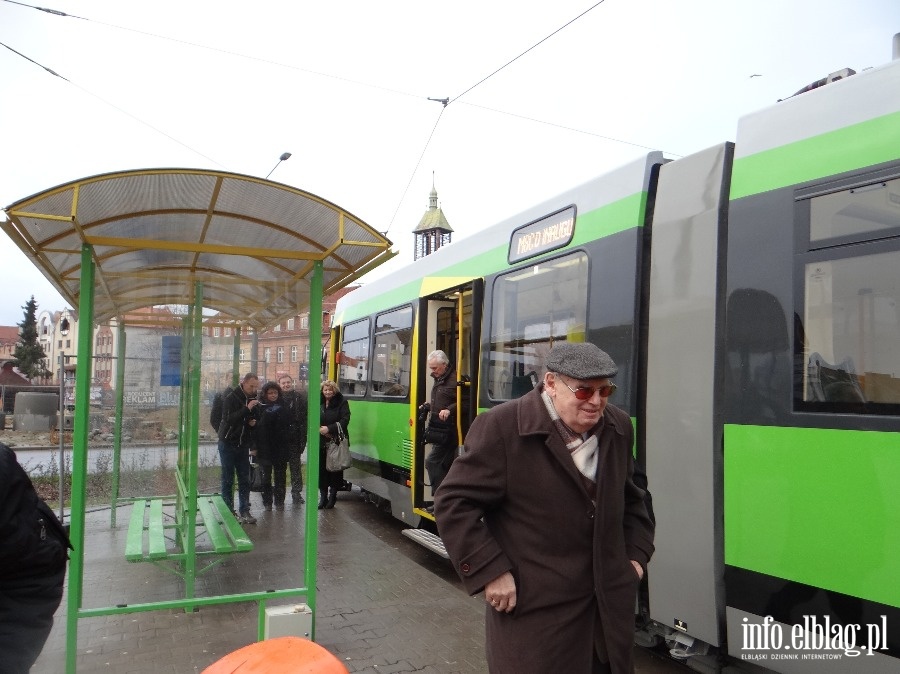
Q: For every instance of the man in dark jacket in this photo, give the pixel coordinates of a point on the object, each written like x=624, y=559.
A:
x=441, y=429
x=297, y=402
x=33, y=554
x=542, y=512
x=239, y=415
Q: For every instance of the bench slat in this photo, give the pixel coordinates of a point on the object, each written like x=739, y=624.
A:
x=134, y=545
x=156, y=539
x=242, y=542
x=214, y=529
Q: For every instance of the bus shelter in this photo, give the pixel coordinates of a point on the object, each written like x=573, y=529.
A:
x=228, y=251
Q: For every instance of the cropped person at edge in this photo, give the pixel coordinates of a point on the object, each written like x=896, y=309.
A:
x=542, y=512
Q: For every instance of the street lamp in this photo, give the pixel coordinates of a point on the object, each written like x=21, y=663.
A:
x=64, y=332
x=284, y=157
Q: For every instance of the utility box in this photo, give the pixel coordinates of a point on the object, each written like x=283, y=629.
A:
x=294, y=620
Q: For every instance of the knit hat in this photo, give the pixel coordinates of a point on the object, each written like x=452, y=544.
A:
x=581, y=360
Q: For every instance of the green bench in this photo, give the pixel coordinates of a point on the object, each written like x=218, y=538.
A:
x=152, y=530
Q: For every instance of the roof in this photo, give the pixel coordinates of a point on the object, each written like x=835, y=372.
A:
x=156, y=233
x=434, y=217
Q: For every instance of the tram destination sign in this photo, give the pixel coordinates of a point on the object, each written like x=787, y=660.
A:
x=549, y=233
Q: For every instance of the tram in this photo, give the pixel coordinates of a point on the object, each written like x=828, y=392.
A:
x=750, y=295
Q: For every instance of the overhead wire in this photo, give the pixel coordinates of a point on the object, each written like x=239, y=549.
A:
x=445, y=101
x=114, y=106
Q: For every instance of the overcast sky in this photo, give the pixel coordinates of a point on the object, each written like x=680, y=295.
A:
x=344, y=87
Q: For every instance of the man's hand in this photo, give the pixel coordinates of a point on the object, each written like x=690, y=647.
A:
x=638, y=569
x=500, y=593
x=443, y=415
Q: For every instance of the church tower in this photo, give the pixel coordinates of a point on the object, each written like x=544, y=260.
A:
x=433, y=230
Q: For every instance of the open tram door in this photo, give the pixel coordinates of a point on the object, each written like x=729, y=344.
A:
x=449, y=320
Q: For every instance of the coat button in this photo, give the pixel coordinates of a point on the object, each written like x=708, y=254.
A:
x=590, y=514
x=465, y=568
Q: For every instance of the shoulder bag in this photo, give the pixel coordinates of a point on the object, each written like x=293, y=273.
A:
x=337, y=452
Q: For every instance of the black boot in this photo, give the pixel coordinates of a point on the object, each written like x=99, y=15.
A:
x=332, y=498
x=323, y=499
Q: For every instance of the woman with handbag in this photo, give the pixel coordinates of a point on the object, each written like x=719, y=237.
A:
x=335, y=418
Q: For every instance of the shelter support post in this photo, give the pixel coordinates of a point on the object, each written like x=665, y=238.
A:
x=311, y=545
x=80, y=453
x=120, y=410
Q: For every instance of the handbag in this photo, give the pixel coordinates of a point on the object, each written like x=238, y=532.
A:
x=256, y=478
x=337, y=453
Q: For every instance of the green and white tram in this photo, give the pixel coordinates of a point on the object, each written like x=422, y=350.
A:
x=750, y=294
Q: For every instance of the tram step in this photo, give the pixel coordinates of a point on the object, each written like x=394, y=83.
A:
x=427, y=539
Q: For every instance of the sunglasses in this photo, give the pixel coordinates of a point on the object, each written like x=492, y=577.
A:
x=587, y=392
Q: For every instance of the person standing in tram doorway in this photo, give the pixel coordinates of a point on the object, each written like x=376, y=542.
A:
x=441, y=429
x=542, y=512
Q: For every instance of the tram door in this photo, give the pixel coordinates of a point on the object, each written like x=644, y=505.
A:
x=452, y=321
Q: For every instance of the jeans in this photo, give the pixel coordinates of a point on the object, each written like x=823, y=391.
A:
x=234, y=460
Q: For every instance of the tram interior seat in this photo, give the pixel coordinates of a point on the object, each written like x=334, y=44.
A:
x=833, y=383
x=523, y=384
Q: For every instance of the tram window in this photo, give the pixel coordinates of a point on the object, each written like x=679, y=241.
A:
x=391, y=360
x=859, y=213
x=534, y=308
x=849, y=341
x=353, y=359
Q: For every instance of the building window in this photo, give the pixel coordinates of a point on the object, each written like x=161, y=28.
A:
x=228, y=332
x=279, y=354
x=294, y=354
x=290, y=325
x=304, y=322
x=217, y=332
x=278, y=328
x=267, y=354
x=241, y=356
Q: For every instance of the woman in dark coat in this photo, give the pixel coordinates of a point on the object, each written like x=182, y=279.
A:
x=335, y=411
x=273, y=443
x=516, y=503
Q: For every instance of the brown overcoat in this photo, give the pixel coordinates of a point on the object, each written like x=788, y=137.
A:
x=514, y=501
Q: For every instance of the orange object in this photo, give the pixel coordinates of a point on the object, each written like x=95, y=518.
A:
x=282, y=655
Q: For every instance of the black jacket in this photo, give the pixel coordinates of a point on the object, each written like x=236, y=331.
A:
x=235, y=428
x=33, y=543
x=337, y=412
x=274, y=432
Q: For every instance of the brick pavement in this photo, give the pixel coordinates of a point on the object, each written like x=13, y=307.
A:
x=385, y=604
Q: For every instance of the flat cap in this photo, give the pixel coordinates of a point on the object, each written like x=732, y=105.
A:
x=581, y=360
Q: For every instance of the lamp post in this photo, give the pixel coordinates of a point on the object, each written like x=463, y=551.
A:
x=284, y=157
x=64, y=332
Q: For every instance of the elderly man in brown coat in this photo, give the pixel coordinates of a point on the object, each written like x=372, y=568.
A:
x=541, y=512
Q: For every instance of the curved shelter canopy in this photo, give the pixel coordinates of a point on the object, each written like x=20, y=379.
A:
x=156, y=233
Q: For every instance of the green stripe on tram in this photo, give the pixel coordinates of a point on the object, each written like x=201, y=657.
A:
x=618, y=216
x=868, y=143
x=815, y=506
